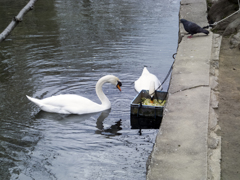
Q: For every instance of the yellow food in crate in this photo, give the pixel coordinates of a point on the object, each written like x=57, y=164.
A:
x=146, y=101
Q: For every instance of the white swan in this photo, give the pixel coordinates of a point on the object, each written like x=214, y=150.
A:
x=147, y=81
x=74, y=104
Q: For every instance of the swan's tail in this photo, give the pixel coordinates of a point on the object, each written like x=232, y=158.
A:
x=34, y=100
x=145, y=71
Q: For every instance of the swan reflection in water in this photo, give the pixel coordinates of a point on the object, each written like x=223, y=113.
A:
x=65, y=119
x=112, y=130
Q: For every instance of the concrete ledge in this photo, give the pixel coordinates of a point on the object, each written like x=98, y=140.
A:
x=180, y=151
x=185, y=148
x=214, y=141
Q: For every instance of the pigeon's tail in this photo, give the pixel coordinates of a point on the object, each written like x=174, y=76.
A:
x=205, y=31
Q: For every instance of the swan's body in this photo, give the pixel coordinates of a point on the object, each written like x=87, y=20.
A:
x=147, y=81
x=74, y=104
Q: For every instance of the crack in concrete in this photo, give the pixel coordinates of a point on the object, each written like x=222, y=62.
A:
x=184, y=4
x=194, y=87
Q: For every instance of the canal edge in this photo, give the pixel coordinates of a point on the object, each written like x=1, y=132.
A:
x=213, y=142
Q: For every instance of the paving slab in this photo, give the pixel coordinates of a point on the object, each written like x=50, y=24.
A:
x=191, y=67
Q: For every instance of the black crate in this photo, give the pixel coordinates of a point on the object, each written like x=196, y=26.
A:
x=144, y=116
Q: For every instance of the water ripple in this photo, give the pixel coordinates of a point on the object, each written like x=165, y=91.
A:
x=65, y=49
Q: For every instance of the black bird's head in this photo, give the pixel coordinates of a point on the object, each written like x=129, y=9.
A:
x=183, y=21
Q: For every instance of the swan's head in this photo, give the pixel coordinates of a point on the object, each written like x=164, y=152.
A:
x=115, y=81
x=119, y=84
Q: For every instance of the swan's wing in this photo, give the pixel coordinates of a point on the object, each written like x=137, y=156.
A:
x=143, y=82
x=67, y=104
x=81, y=109
x=57, y=109
x=72, y=104
x=157, y=83
x=45, y=106
x=65, y=99
x=152, y=77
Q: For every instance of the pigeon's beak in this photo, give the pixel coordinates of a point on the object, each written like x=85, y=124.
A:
x=119, y=84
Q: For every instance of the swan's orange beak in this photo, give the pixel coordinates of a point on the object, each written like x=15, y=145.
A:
x=118, y=85
x=151, y=100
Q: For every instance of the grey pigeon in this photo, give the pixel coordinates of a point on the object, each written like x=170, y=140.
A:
x=193, y=28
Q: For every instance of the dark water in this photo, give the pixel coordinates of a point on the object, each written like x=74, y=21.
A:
x=65, y=46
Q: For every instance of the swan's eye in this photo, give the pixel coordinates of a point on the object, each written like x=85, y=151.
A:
x=119, y=83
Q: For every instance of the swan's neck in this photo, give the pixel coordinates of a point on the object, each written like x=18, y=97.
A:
x=152, y=88
x=103, y=98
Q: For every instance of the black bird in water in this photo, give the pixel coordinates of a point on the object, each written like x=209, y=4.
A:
x=193, y=28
